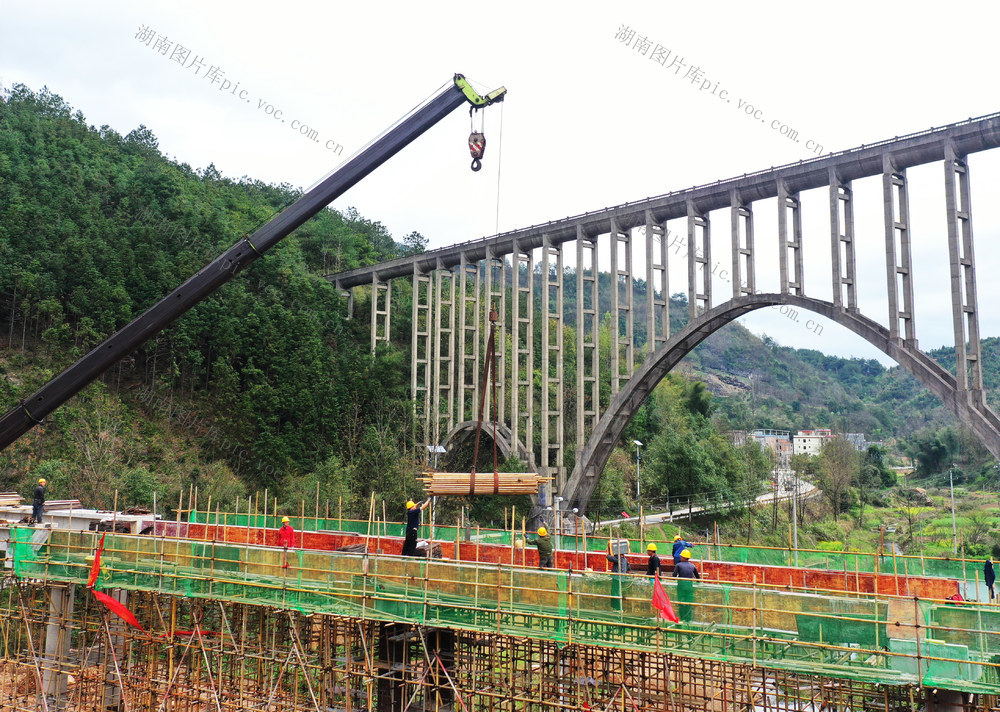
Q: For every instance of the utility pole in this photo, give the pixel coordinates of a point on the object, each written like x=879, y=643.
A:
x=795, y=516
x=954, y=529
x=637, y=446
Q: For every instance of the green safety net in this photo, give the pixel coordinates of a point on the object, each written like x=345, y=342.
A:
x=858, y=637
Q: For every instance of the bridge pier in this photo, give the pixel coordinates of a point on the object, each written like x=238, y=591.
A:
x=57, y=646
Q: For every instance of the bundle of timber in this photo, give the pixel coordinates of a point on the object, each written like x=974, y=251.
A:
x=10, y=499
x=62, y=504
x=438, y=483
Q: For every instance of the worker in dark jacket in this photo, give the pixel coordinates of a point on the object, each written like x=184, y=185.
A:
x=653, y=565
x=989, y=576
x=619, y=564
x=686, y=573
x=38, y=501
x=544, y=544
x=679, y=546
x=684, y=568
x=413, y=511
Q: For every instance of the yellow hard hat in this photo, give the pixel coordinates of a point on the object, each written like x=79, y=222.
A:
x=686, y=554
x=542, y=531
x=651, y=547
x=285, y=520
x=42, y=482
x=677, y=538
x=410, y=504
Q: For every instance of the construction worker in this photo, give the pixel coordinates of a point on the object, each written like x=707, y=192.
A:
x=653, y=565
x=684, y=568
x=989, y=575
x=38, y=501
x=686, y=573
x=544, y=544
x=413, y=511
x=619, y=564
x=679, y=546
x=286, y=537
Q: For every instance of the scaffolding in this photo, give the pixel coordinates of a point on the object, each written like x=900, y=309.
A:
x=878, y=640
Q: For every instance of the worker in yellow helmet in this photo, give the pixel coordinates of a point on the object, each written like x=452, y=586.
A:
x=413, y=511
x=38, y=501
x=684, y=568
x=286, y=538
x=653, y=562
x=544, y=544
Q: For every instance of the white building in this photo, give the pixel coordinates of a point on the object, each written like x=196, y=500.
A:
x=810, y=442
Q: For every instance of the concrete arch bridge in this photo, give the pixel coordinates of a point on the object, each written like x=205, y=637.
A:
x=616, y=265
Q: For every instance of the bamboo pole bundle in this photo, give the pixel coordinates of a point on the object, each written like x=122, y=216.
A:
x=464, y=483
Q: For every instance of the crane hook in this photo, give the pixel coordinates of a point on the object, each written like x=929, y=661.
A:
x=477, y=146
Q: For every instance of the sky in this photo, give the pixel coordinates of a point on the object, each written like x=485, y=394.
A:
x=607, y=104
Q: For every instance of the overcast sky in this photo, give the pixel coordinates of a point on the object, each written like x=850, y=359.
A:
x=595, y=116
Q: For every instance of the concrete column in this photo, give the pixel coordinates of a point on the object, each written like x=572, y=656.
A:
x=468, y=339
x=443, y=368
x=381, y=303
x=420, y=354
x=657, y=282
x=699, y=253
x=56, y=663
x=588, y=357
x=392, y=662
x=897, y=251
x=522, y=350
x=553, y=441
x=789, y=240
x=969, y=368
x=741, y=218
x=622, y=289
x=115, y=649
x=842, y=243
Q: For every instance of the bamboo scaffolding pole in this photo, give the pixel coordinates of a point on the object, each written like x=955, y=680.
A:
x=467, y=483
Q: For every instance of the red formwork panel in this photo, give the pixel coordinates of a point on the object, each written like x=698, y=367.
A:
x=725, y=572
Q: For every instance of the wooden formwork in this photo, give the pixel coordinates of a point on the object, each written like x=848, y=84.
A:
x=60, y=651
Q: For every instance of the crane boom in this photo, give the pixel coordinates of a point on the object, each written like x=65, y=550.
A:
x=32, y=411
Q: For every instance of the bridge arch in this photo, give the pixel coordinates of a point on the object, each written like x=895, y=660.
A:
x=591, y=461
x=463, y=431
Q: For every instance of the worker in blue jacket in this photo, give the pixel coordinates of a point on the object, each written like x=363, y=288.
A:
x=679, y=546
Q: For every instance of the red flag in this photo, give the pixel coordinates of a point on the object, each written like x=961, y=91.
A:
x=625, y=514
x=662, y=603
x=95, y=568
x=117, y=608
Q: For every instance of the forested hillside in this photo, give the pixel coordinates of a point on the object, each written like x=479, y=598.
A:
x=268, y=384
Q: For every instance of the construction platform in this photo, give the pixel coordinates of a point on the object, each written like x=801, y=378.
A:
x=880, y=636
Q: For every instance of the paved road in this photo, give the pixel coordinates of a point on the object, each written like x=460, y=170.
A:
x=807, y=490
